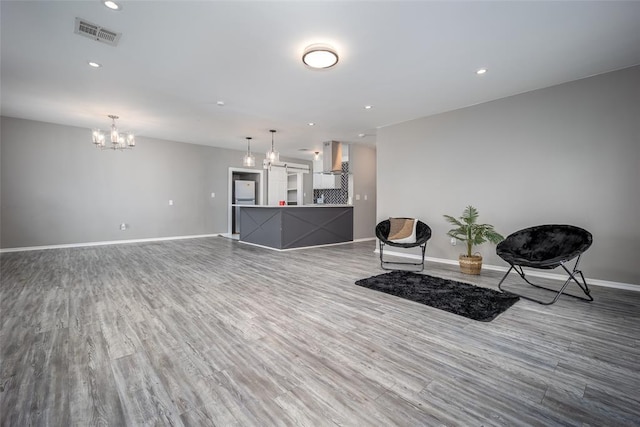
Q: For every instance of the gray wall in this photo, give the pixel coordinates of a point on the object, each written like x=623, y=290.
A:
x=56, y=188
x=563, y=154
x=362, y=165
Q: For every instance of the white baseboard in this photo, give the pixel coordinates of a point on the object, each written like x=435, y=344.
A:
x=153, y=239
x=534, y=273
x=110, y=242
x=309, y=247
x=364, y=239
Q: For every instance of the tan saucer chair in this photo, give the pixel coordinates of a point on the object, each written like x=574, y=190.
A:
x=422, y=235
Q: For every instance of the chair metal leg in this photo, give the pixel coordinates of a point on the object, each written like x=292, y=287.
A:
x=572, y=276
x=384, y=263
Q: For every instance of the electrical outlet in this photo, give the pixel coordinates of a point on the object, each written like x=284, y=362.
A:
x=123, y=226
x=453, y=241
x=170, y=202
x=213, y=195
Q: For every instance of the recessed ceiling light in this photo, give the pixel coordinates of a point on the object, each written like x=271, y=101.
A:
x=220, y=103
x=367, y=107
x=481, y=71
x=94, y=64
x=311, y=124
x=361, y=135
x=112, y=5
x=319, y=56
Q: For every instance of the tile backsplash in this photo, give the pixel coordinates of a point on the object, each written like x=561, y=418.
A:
x=336, y=196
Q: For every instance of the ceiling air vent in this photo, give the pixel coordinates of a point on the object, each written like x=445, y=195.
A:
x=96, y=32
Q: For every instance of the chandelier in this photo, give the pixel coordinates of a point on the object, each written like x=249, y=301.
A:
x=272, y=155
x=249, y=159
x=118, y=141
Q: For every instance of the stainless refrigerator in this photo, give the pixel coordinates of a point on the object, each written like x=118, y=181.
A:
x=245, y=194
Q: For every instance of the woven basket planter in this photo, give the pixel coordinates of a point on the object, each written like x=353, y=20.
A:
x=470, y=264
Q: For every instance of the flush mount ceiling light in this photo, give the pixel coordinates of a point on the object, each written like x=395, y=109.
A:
x=319, y=56
x=112, y=5
x=119, y=141
x=481, y=71
x=94, y=64
x=249, y=159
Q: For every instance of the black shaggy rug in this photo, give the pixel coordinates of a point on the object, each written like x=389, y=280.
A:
x=455, y=297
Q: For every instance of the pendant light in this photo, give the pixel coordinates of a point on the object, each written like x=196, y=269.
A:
x=273, y=155
x=249, y=159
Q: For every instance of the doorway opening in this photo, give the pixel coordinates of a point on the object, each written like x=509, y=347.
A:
x=243, y=175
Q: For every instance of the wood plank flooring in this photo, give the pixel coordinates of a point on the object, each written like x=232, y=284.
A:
x=217, y=333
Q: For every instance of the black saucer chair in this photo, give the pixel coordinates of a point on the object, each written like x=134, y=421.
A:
x=423, y=233
x=546, y=247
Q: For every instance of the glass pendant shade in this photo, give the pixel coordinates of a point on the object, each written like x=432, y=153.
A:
x=98, y=138
x=272, y=155
x=249, y=159
x=114, y=135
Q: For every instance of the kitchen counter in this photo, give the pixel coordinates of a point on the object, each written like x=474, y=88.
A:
x=315, y=205
x=296, y=226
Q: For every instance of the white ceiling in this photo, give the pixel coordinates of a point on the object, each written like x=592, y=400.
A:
x=176, y=59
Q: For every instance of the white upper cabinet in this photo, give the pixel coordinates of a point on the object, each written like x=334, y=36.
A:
x=324, y=181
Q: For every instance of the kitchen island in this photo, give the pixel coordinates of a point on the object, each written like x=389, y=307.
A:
x=297, y=226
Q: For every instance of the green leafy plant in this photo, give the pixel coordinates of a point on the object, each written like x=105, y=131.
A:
x=469, y=231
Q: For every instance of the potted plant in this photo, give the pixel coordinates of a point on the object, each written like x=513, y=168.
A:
x=469, y=231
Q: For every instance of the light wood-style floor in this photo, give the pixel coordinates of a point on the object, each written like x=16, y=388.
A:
x=214, y=332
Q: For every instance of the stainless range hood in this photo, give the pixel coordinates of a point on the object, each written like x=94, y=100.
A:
x=331, y=157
